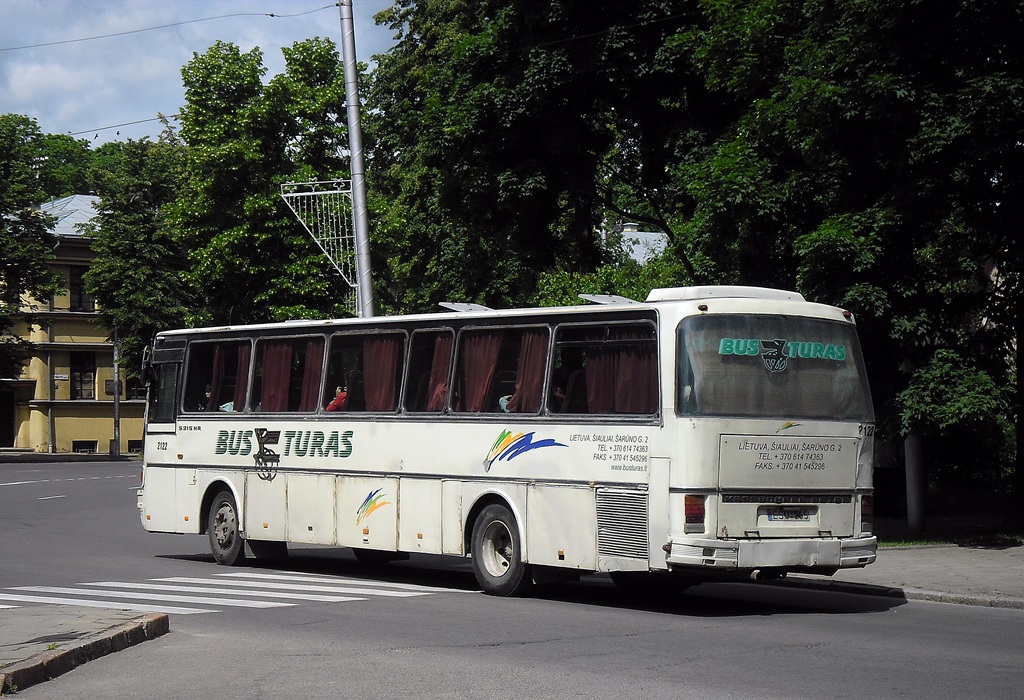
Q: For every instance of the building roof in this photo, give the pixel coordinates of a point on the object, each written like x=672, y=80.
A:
x=70, y=212
x=642, y=246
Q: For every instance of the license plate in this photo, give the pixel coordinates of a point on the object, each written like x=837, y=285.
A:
x=789, y=514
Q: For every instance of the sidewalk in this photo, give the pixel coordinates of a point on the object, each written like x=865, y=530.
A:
x=38, y=643
x=42, y=642
x=987, y=576
x=10, y=455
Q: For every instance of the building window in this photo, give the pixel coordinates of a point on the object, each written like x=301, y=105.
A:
x=134, y=389
x=83, y=375
x=79, y=299
x=86, y=446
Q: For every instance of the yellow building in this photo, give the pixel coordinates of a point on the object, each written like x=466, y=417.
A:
x=64, y=399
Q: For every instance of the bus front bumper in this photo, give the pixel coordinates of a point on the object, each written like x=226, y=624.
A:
x=814, y=555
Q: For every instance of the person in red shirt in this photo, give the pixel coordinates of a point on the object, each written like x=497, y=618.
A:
x=338, y=404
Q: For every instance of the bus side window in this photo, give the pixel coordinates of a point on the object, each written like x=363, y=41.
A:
x=287, y=375
x=501, y=370
x=605, y=369
x=368, y=366
x=161, y=393
x=426, y=379
x=217, y=376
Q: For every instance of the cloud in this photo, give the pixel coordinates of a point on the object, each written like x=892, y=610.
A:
x=84, y=86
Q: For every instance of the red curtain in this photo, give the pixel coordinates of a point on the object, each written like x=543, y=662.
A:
x=438, y=385
x=382, y=355
x=533, y=355
x=636, y=387
x=277, y=367
x=216, y=378
x=310, y=399
x=601, y=368
x=242, y=376
x=479, y=360
x=622, y=378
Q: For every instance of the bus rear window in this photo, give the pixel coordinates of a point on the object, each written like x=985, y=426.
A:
x=771, y=366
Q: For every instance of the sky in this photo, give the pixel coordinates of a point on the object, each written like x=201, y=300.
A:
x=96, y=89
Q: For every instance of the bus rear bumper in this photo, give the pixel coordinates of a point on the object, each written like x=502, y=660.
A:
x=813, y=555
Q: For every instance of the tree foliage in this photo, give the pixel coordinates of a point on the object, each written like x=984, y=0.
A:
x=865, y=152
x=249, y=258
x=26, y=244
x=136, y=276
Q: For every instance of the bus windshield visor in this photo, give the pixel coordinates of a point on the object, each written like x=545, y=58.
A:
x=771, y=366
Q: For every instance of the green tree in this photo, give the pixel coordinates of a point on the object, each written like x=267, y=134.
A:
x=877, y=164
x=65, y=165
x=136, y=275
x=489, y=134
x=249, y=259
x=865, y=152
x=26, y=244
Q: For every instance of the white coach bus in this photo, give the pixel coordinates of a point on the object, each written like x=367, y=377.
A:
x=708, y=433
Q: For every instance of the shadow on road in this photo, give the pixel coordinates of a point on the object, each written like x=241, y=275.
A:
x=785, y=597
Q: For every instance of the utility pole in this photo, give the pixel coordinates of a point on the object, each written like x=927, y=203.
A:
x=364, y=287
x=115, y=447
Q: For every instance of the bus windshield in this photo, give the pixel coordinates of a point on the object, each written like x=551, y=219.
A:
x=771, y=366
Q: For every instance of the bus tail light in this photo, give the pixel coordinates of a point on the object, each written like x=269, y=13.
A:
x=867, y=513
x=693, y=509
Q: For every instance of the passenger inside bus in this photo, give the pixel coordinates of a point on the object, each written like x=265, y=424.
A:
x=340, y=398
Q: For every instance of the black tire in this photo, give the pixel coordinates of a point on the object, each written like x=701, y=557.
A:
x=226, y=542
x=266, y=550
x=497, y=556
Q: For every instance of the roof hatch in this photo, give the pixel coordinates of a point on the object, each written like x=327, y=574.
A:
x=721, y=292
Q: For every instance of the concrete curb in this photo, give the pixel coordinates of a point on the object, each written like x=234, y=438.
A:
x=901, y=593
x=52, y=663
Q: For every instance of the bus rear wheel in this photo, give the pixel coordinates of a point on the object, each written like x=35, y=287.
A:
x=226, y=542
x=497, y=560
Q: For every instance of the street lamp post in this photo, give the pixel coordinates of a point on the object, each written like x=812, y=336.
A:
x=355, y=147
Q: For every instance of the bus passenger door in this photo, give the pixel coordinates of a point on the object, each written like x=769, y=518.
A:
x=157, y=497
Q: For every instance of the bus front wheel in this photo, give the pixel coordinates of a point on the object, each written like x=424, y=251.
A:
x=497, y=560
x=226, y=543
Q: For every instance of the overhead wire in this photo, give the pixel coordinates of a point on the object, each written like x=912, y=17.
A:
x=96, y=130
x=162, y=26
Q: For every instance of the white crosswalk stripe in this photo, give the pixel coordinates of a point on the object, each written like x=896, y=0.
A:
x=225, y=591
x=188, y=595
x=230, y=602
x=256, y=585
x=353, y=581
x=86, y=603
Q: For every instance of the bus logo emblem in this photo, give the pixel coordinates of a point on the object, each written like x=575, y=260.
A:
x=773, y=353
x=373, y=501
x=508, y=446
x=266, y=459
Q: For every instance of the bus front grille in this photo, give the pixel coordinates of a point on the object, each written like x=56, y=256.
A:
x=622, y=524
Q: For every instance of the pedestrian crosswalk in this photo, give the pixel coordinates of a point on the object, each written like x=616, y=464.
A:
x=187, y=595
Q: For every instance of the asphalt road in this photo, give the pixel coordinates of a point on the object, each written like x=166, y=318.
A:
x=67, y=526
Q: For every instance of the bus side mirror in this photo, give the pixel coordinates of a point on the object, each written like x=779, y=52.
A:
x=147, y=366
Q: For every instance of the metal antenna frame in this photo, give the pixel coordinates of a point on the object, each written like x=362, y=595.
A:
x=324, y=208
